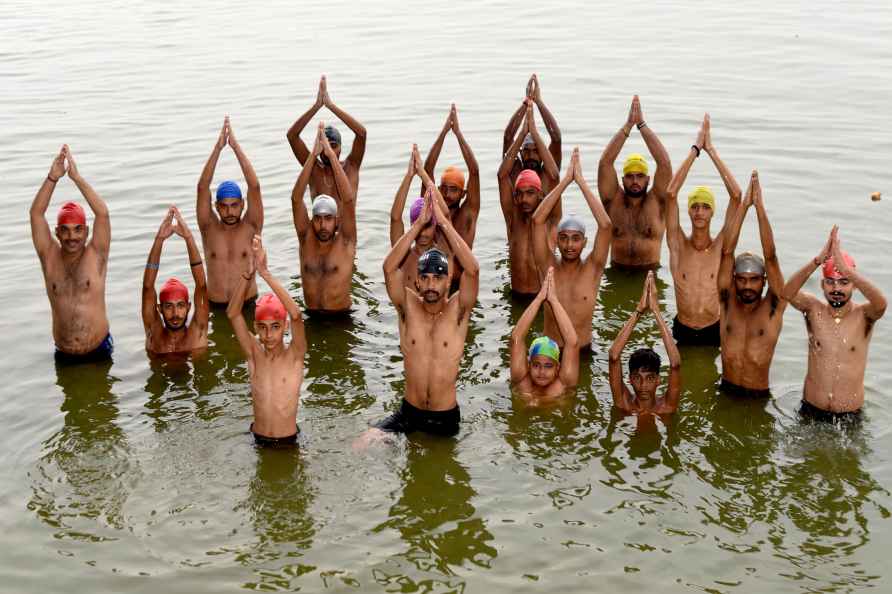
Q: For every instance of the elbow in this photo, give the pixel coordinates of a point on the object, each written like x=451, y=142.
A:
x=613, y=355
x=473, y=271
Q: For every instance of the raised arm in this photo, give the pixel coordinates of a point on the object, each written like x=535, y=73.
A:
x=621, y=395
x=357, y=151
x=674, y=233
x=554, y=147
x=346, y=199
x=150, y=316
x=427, y=182
x=729, y=244
x=731, y=185
x=393, y=274
x=793, y=293
x=605, y=226
x=473, y=194
x=674, y=390
x=550, y=167
x=542, y=251
x=506, y=187
x=608, y=184
x=470, y=275
x=40, y=229
x=298, y=336
x=397, y=228
x=663, y=173
x=569, y=373
x=876, y=301
x=203, y=211
x=101, y=237
x=298, y=207
x=254, y=216
x=511, y=129
x=769, y=252
x=519, y=362
x=234, y=313
x=200, y=295
x=298, y=147
x=430, y=163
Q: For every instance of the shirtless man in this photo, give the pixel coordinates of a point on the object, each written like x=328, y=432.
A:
x=324, y=177
x=644, y=364
x=328, y=239
x=533, y=154
x=74, y=267
x=276, y=370
x=164, y=316
x=539, y=373
x=227, y=237
x=433, y=328
x=638, y=214
x=694, y=260
x=577, y=279
x=750, y=323
x=519, y=200
x=839, y=333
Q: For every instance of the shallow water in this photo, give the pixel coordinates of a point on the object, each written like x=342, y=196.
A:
x=140, y=475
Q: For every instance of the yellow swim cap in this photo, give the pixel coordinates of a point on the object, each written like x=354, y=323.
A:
x=635, y=163
x=701, y=195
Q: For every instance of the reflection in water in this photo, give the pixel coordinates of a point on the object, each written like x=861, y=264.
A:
x=334, y=377
x=180, y=389
x=226, y=363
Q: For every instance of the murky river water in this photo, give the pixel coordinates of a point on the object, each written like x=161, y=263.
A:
x=140, y=476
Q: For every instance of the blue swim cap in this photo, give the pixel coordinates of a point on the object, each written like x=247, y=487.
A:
x=229, y=189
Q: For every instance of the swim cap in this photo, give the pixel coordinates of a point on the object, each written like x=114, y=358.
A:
x=229, y=189
x=830, y=270
x=545, y=346
x=415, y=209
x=748, y=262
x=528, y=142
x=635, y=163
x=172, y=291
x=324, y=204
x=433, y=261
x=269, y=307
x=702, y=195
x=453, y=175
x=528, y=178
x=332, y=134
x=571, y=222
x=71, y=213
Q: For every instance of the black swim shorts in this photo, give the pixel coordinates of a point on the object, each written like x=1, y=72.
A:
x=740, y=392
x=101, y=353
x=263, y=440
x=409, y=418
x=686, y=336
x=810, y=412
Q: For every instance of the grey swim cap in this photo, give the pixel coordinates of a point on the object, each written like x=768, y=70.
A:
x=748, y=262
x=332, y=134
x=528, y=142
x=324, y=205
x=571, y=222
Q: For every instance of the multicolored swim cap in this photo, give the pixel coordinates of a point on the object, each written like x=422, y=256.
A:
x=830, y=270
x=269, y=307
x=453, y=175
x=702, y=195
x=748, y=263
x=433, y=261
x=546, y=347
x=635, y=163
x=71, y=213
x=528, y=142
x=228, y=189
x=323, y=205
x=172, y=291
x=571, y=222
x=332, y=134
x=528, y=179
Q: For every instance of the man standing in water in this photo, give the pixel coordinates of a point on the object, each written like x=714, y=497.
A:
x=227, y=237
x=165, y=315
x=433, y=327
x=328, y=239
x=74, y=268
x=750, y=323
x=694, y=261
x=533, y=153
x=576, y=279
x=324, y=177
x=839, y=333
x=638, y=213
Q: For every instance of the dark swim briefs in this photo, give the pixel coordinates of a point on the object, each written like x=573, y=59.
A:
x=263, y=440
x=101, y=353
x=811, y=412
x=740, y=392
x=686, y=336
x=409, y=418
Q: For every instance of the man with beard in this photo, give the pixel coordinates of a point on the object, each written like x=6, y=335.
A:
x=638, y=214
x=694, y=261
x=324, y=177
x=534, y=155
x=164, y=316
x=328, y=240
x=538, y=372
x=74, y=268
x=433, y=327
x=839, y=333
x=644, y=364
x=750, y=323
x=227, y=237
x=576, y=279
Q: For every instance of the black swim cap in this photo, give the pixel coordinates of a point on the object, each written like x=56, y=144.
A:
x=433, y=261
x=332, y=134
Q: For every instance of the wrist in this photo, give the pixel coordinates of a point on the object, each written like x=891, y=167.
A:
x=626, y=131
x=52, y=179
x=641, y=124
x=696, y=148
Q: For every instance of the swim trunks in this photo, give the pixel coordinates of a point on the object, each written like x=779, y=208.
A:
x=686, y=336
x=250, y=302
x=101, y=353
x=274, y=442
x=810, y=412
x=733, y=389
x=409, y=418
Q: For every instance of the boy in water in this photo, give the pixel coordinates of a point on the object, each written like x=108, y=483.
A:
x=276, y=370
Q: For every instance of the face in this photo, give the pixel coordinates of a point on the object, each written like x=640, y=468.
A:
x=570, y=244
x=230, y=210
x=271, y=333
x=543, y=370
x=174, y=314
x=324, y=227
x=635, y=184
x=645, y=383
x=530, y=158
x=452, y=194
x=528, y=198
x=837, y=291
x=425, y=238
x=432, y=287
x=72, y=237
x=749, y=286
x=337, y=151
x=701, y=215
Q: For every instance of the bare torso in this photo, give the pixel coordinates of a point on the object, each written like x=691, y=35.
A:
x=76, y=290
x=749, y=336
x=227, y=254
x=326, y=272
x=275, y=390
x=638, y=229
x=524, y=273
x=193, y=337
x=322, y=180
x=694, y=274
x=577, y=289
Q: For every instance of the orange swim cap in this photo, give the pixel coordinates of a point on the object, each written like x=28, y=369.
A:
x=269, y=308
x=526, y=178
x=453, y=175
x=71, y=213
x=172, y=291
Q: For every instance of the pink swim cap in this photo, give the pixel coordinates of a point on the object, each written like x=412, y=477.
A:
x=71, y=213
x=269, y=307
x=172, y=291
x=526, y=178
x=830, y=270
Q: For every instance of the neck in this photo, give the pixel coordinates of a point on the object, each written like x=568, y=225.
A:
x=278, y=349
x=433, y=308
x=839, y=312
x=71, y=258
x=701, y=238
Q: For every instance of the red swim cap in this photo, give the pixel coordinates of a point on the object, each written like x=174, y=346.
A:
x=269, y=308
x=830, y=270
x=528, y=177
x=172, y=291
x=71, y=214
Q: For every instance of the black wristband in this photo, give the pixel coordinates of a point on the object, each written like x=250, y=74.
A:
x=641, y=125
x=55, y=181
x=696, y=148
x=196, y=263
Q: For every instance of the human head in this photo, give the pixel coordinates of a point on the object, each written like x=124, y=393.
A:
x=837, y=288
x=529, y=154
x=544, y=361
x=270, y=321
x=452, y=186
x=71, y=227
x=528, y=190
x=635, y=176
x=644, y=373
x=173, y=304
x=749, y=277
x=571, y=237
x=432, y=281
x=701, y=206
x=325, y=217
x=229, y=202
x=334, y=141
